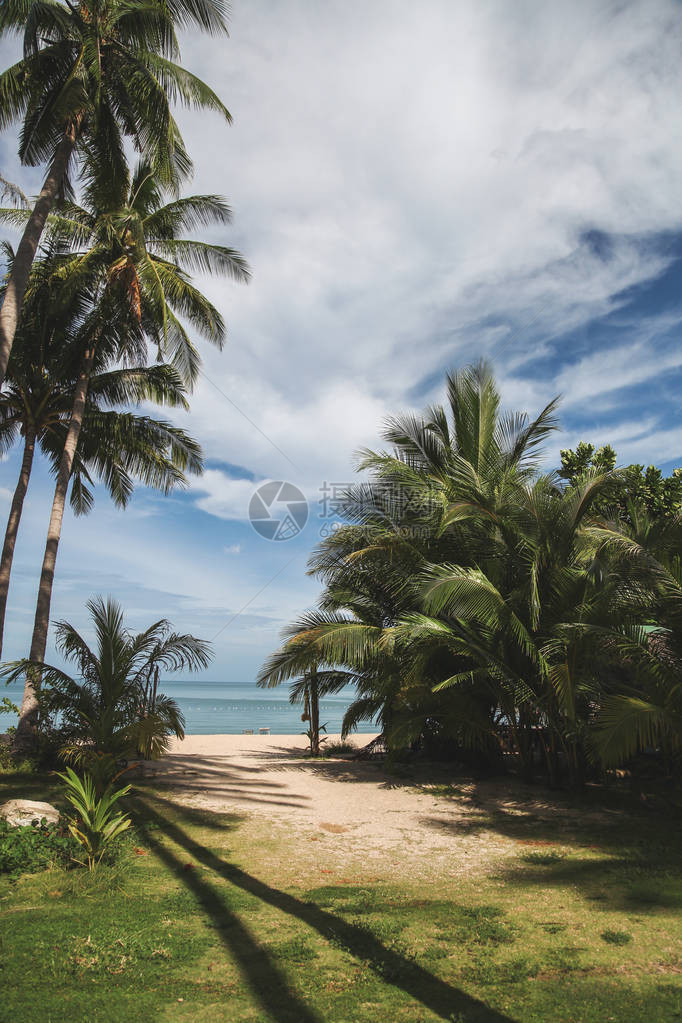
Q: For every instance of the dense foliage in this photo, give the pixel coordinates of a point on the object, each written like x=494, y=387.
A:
x=484, y=607
x=636, y=488
x=25, y=850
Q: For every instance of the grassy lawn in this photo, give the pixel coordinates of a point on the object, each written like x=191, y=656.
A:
x=582, y=930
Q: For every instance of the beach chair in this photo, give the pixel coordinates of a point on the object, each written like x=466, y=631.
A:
x=247, y=731
x=263, y=731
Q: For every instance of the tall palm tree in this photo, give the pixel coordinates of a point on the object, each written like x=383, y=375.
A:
x=134, y=252
x=118, y=447
x=95, y=72
x=36, y=403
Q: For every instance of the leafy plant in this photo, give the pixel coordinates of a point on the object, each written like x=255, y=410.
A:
x=493, y=614
x=7, y=707
x=314, y=738
x=339, y=748
x=26, y=850
x=98, y=824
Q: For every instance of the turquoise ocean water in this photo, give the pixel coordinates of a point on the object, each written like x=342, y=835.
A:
x=226, y=708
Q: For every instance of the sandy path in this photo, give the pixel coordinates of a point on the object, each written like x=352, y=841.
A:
x=351, y=815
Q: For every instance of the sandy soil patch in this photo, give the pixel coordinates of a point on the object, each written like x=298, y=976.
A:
x=354, y=818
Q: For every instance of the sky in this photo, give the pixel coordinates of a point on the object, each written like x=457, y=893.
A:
x=415, y=186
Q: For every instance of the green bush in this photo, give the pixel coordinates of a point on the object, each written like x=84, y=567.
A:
x=339, y=748
x=26, y=850
x=616, y=937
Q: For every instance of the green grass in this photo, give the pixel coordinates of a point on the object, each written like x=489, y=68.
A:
x=191, y=925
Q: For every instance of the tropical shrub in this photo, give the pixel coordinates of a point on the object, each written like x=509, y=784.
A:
x=98, y=824
x=658, y=495
x=112, y=710
x=26, y=850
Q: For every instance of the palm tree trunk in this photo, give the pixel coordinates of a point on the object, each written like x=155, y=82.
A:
x=314, y=717
x=520, y=732
x=25, y=734
x=21, y=269
x=13, y=524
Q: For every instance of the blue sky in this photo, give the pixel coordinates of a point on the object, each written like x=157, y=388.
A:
x=415, y=186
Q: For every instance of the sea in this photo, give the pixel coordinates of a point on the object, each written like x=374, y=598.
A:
x=227, y=708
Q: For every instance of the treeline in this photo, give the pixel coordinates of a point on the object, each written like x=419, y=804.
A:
x=492, y=612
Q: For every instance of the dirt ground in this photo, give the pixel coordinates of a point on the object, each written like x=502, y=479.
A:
x=354, y=818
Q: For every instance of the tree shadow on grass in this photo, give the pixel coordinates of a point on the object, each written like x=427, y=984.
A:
x=627, y=885
x=615, y=852
x=39, y=785
x=266, y=980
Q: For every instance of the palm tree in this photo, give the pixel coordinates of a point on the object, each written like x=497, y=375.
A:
x=306, y=690
x=104, y=714
x=641, y=702
x=473, y=600
x=37, y=401
x=131, y=228
x=118, y=447
x=94, y=73
x=442, y=493
x=143, y=265
x=339, y=644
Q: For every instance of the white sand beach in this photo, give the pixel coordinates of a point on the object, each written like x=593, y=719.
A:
x=353, y=815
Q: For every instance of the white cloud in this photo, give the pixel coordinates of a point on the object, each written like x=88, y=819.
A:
x=402, y=180
x=234, y=548
x=224, y=497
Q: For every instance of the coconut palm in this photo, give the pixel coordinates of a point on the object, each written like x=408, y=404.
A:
x=549, y=640
x=94, y=73
x=134, y=255
x=473, y=600
x=442, y=493
x=306, y=690
x=467, y=451
x=118, y=446
x=503, y=624
x=131, y=230
x=36, y=405
x=339, y=644
x=101, y=711
x=641, y=704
